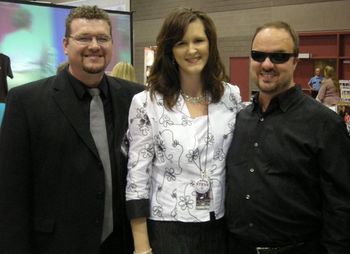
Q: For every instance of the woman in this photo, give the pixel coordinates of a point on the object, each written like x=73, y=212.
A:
x=329, y=91
x=179, y=133
x=124, y=70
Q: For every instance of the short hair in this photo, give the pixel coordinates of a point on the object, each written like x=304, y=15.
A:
x=124, y=70
x=164, y=76
x=86, y=12
x=281, y=25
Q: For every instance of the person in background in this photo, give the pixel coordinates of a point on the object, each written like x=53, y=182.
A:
x=5, y=71
x=179, y=133
x=2, y=109
x=53, y=175
x=347, y=121
x=315, y=82
x=344, y=113
x=329, y=93
x=288, y=167
x=27, y=65
x=124, y=70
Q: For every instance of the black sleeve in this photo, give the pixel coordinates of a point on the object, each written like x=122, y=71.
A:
x=15, y=174
x=334, y=161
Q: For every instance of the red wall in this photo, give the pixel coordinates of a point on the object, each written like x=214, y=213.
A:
x=303, y=72
x=239, y=75
x=324, y=47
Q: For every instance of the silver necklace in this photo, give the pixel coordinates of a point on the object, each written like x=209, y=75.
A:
x=193, y=99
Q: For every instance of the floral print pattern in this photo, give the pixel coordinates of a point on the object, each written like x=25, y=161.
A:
x=169, y=151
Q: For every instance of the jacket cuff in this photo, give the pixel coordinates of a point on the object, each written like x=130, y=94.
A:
x=137, y=208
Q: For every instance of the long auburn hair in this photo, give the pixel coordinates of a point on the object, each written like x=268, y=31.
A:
x=164, y=75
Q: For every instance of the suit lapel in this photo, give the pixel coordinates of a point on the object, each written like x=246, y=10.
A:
x=67, y=101
x=120, y=111
x=118, y=104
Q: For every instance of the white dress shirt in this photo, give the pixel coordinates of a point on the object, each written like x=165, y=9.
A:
x=169, y=151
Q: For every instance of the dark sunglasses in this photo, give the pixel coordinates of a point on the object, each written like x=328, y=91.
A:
x=275, y=57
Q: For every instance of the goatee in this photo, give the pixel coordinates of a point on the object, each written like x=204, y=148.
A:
x=92, y=70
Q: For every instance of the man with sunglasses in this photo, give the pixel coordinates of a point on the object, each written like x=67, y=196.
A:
x=61, y=189
x=288, y=167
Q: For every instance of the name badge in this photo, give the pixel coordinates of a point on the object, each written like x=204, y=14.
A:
x=203, y=194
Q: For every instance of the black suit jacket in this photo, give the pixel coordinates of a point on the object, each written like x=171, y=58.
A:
x=51, y=178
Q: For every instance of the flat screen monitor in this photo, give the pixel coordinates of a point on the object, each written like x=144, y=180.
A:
x=31, y=34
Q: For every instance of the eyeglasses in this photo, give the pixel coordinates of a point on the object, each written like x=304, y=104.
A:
x=87, y=40
x=275, y=57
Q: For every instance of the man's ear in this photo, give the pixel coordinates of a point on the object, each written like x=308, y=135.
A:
x=295, y=62
x=65, y=45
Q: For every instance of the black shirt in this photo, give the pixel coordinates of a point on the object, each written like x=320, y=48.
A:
x=84, y=98
x=288, y=174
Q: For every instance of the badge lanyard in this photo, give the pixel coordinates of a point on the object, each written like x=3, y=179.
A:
x=202, y=185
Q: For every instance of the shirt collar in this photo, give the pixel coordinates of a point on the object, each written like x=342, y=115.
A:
x=283, y=100
x=80, y=88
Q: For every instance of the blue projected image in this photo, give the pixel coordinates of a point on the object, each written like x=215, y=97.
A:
x=32, y=34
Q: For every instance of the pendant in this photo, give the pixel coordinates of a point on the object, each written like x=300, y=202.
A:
x=203, y=194
x=202, y=185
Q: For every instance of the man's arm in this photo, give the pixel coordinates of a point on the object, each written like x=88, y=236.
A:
x=334, y=161
x=310, y=82
x=15, y=179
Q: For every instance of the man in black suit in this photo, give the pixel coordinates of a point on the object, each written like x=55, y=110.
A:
x=52, y=180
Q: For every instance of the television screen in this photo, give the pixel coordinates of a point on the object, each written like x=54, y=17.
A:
x=31, y=36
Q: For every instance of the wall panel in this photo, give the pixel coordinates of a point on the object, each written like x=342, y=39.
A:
x=236, y=21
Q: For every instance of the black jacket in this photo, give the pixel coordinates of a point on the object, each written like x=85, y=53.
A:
x=51, y=178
